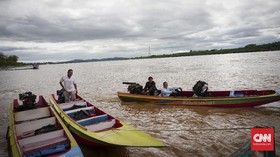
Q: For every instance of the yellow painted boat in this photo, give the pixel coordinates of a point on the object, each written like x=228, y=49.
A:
x=38, y=131
x=92, y=126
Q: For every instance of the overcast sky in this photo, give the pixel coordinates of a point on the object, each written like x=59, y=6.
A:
x=56, y=30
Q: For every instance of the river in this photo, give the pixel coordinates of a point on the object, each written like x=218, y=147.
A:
x=187, y=131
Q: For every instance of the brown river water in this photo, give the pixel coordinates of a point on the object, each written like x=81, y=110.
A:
x=187, y=131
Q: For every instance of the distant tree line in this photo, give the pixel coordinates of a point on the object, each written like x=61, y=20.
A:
x=6, y=61
x=248, y=48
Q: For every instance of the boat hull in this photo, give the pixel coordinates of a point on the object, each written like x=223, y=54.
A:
x=212, y=101
x=13, y=136
x=120, y=134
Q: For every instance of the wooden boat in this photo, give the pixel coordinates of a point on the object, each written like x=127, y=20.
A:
x=35, y=66
x=92, y=126
x=241, y=98
x=39, y=132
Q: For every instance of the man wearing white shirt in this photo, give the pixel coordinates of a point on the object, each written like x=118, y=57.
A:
x=69, y=86
x=169, y=91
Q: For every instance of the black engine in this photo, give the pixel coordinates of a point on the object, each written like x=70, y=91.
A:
x=134, y=88
x=61, y=98
x=28, y=101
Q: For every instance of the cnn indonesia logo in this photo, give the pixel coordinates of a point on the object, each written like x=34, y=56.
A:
x=262, y=139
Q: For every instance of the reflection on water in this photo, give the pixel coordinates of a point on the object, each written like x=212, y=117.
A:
x=187, y=131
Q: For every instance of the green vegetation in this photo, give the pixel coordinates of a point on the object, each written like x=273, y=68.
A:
x=248, y=48
x=11, y=61
x=8, y=61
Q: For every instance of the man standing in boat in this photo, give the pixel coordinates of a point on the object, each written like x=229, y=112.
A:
x=169, y=91
x=69, y=86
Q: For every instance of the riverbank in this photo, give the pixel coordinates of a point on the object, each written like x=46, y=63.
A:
x=275, y=46
x=19, y=67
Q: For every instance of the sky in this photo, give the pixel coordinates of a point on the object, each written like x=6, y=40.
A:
x=60, y=30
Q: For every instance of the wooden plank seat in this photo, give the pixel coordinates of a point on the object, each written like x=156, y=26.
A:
x=29, y=127
x=32, y=114
x=102, y=126
x=93, y=120
x=71, y=105
x=79, y=109
x=81, y=113
x=43, y=141
x=45, y=144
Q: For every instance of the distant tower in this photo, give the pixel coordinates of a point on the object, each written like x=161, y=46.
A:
x=149, y=51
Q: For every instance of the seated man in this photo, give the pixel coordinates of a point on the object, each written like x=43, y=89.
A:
x=169, y=91
x=150, y=87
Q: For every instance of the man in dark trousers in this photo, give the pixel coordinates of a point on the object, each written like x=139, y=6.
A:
x=150, y=87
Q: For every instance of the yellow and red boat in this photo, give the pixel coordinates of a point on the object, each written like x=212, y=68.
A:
x=92, y=126
x=38, y=131
x=230, y=99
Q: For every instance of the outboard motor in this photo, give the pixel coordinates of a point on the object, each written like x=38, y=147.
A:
x=28, y=101
x=134, y=88
x=61, y=98
x=200, y=89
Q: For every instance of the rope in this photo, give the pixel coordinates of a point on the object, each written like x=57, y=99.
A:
x=185, y=129
x=206, y=129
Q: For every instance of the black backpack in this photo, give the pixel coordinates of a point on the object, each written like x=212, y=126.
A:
x=200, y=88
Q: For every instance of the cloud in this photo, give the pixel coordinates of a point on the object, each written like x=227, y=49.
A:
x=95, y=28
